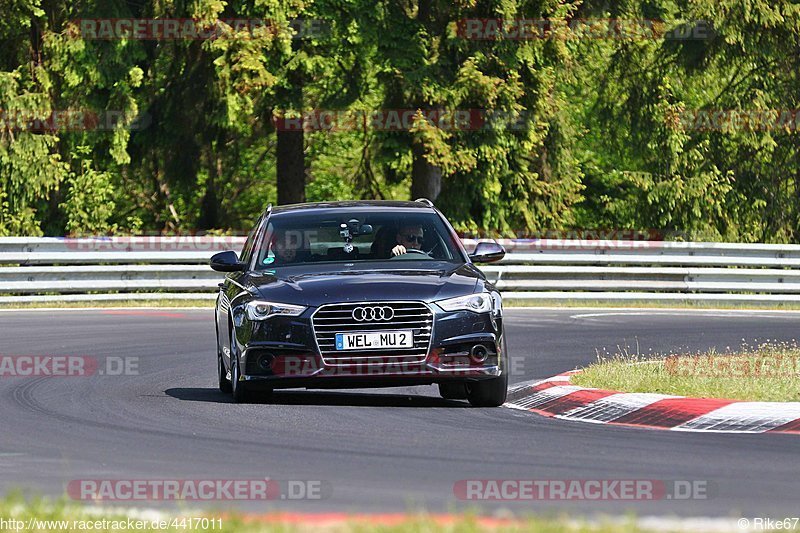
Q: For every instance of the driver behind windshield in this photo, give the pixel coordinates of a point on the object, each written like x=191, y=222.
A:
x=408, y=238
x=286, y=245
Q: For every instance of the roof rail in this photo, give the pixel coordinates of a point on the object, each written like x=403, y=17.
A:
x=268, y=210
x=424, y=201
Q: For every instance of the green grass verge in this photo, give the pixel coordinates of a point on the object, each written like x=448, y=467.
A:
x=66, y=516
x=769, y=372
x=653, y=304
x=209, y=304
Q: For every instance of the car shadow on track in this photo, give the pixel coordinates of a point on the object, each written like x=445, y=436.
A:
x=303, y=397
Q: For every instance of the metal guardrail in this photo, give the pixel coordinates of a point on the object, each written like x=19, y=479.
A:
x=141, y=268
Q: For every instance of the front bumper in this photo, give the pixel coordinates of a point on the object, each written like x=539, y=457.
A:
x=282, y=352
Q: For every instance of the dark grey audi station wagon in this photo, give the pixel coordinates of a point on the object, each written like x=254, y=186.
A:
x=359, y=294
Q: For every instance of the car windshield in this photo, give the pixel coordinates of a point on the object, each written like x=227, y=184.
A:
x=354, y=236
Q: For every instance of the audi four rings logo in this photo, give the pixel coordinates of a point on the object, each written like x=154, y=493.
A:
x=371, y=314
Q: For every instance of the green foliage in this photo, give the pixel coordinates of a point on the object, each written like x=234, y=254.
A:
x=30, y=168
x=648, y=167
x=89, y=205
x=584, y=132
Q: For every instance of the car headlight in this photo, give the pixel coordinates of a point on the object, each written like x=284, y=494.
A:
x=259, y=310
x=477, y=303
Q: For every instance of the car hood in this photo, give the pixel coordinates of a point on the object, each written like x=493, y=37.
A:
x=317, y=287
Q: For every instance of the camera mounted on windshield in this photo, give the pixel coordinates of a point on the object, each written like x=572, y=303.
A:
x=351, y=229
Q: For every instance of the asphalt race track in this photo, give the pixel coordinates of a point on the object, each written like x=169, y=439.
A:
x=379, y=450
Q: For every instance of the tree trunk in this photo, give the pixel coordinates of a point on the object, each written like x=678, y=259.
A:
x=426, y=179
x=291, y=167
x=290, y=156
x=210, y=208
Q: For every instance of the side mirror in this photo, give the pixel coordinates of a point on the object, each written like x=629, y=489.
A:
x=487, y=252
x=227, y=262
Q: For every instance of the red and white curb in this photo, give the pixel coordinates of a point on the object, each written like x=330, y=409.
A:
x=557, y=397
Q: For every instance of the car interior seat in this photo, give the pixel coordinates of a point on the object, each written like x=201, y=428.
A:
x=383, y=243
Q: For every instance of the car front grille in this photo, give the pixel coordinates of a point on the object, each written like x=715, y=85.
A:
x=331, y=319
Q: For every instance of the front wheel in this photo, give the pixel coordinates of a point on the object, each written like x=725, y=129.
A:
x=238, y=387
x=222, y=376
x=488, y=392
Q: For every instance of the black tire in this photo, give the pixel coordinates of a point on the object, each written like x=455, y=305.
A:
x=238, y=387
x=242, y=390
x=488, y=392
x=222, y=375
x=453, y=391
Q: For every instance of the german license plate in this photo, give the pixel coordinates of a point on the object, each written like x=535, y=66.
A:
x=374, y=340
